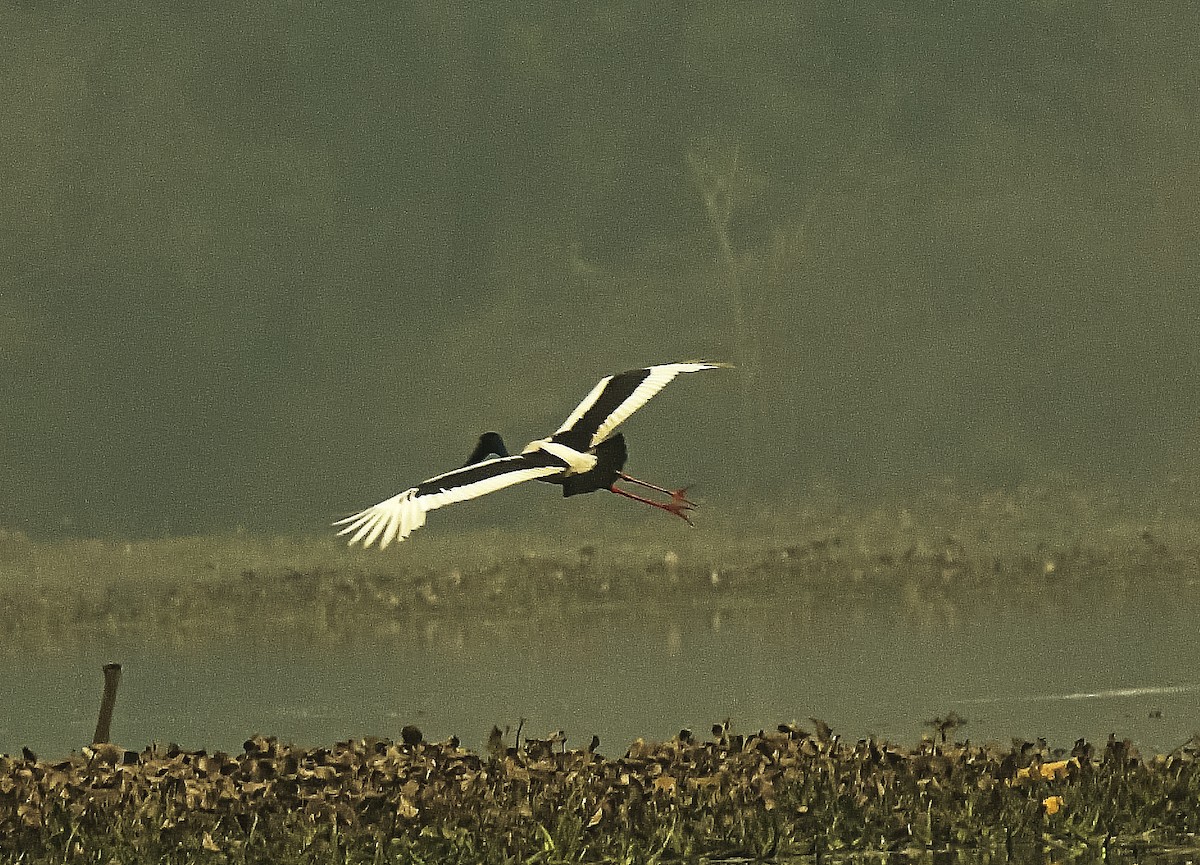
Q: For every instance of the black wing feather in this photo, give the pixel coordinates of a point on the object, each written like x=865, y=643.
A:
x=619, y=388
x=610, y=459
x=470, y=474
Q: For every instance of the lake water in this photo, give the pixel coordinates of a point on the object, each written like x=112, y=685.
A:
x=867, y=666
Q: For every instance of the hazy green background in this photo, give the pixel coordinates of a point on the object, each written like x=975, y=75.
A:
x=262, y=263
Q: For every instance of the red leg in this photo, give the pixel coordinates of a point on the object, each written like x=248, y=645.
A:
x=679, y=506
x=676, y=495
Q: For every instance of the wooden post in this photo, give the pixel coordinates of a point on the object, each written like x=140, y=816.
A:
x=112, y=678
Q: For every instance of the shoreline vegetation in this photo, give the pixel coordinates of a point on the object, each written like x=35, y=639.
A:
x=789, y=794
x=1059, y=546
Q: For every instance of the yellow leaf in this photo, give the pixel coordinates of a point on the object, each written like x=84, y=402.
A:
x=406, y=809
x=1058, y=769
x=1052, y=804
x=1046, y=771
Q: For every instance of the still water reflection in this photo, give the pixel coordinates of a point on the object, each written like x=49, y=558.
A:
x=866, y=666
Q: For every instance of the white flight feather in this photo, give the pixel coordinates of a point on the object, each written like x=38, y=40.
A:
x=577, y=462
x=398, y=517
x=660, y=376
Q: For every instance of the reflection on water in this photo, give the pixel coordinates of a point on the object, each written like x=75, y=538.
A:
x=868, y=665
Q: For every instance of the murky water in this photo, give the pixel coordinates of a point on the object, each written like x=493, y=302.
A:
x=869, y=666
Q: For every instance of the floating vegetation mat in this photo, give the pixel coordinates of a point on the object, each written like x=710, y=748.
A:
x=787, y=794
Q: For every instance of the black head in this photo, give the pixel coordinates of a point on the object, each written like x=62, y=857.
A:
x=490, y=444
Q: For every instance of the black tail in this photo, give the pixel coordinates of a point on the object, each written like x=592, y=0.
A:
x=490, y=444
x=610, y=459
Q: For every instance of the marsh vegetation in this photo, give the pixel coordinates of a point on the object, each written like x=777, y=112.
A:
x=789, y=794
x=1056, y=556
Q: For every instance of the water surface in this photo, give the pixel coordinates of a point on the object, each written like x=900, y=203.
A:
x=868, y=666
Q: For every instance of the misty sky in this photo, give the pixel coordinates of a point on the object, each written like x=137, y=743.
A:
x=263, y=264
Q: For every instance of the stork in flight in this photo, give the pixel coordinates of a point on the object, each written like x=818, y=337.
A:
x=583, y=455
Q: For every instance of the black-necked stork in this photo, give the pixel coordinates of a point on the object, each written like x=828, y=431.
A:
x=582, y=456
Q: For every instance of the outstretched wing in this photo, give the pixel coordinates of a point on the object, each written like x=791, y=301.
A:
x=616, y=397
x=397, y=517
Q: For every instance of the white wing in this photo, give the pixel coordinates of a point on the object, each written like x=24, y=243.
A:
x=396, y=518
x=618, y=396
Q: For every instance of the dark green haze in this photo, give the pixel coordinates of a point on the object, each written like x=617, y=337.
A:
x=264, y=263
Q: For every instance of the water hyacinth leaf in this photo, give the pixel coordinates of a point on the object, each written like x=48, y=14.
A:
x=596, y=817
x=773, y=794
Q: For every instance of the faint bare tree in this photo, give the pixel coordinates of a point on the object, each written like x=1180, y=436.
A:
x=725, y=186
